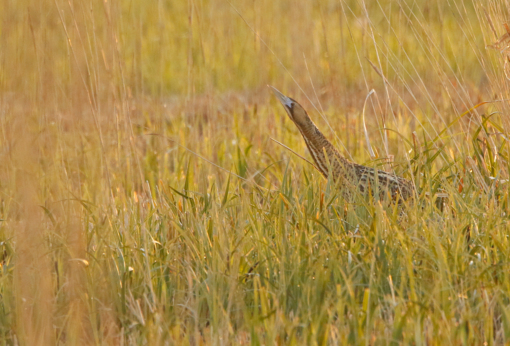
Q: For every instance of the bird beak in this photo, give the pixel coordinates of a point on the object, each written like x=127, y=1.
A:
x=287, y=102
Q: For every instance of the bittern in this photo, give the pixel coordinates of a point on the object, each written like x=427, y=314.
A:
x=351, y=177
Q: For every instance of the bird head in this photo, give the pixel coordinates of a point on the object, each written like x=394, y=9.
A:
x=295, y=111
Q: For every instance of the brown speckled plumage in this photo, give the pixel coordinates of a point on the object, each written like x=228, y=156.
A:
x=350, y=176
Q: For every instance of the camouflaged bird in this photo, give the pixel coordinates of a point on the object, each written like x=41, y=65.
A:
x=351, y=177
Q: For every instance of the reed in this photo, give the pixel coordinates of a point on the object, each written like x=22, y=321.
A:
x=143, y=202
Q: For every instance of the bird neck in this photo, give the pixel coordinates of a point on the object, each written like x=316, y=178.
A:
x=325, y=155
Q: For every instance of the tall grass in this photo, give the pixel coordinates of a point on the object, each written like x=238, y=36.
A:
x=142, y=200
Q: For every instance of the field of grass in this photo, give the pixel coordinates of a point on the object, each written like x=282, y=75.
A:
x=143, y=200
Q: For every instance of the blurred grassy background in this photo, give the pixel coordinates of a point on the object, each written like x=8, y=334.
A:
x=119, y=122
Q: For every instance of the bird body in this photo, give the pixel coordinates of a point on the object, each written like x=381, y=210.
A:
x=351, y=177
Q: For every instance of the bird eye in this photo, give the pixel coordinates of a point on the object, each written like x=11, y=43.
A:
x=289, y=104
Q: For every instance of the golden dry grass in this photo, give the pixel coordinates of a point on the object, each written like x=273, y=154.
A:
x=143, y=202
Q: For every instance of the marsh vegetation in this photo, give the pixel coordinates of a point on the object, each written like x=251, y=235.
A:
x=143, y=201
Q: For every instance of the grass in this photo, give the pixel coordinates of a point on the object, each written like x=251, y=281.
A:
x=143, y=201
